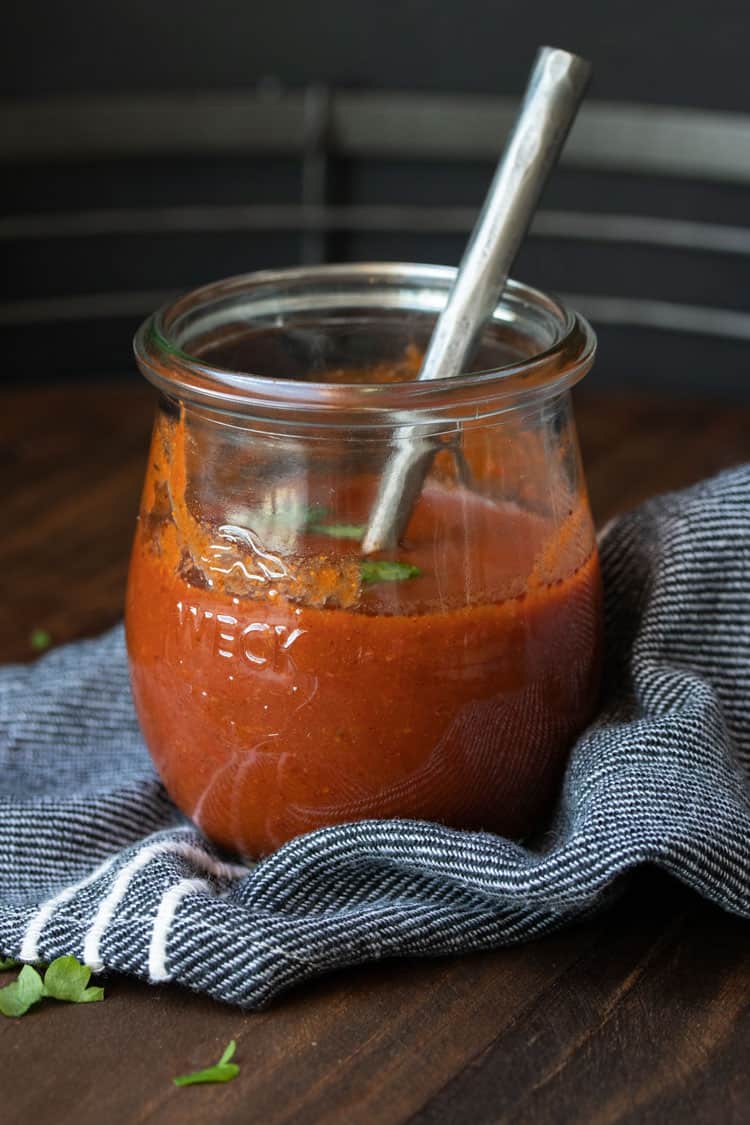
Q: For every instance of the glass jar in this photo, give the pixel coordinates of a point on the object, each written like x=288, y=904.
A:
x=283, y=682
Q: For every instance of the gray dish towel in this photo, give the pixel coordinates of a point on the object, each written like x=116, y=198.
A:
x=97, y=862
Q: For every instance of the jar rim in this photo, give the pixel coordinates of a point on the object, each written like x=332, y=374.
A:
x=418, y=287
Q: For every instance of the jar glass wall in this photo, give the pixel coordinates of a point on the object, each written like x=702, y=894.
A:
x=283, y=681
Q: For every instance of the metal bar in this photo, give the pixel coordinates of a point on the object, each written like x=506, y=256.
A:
x=662, y=140
x=700, y=320
x=644, y=230
x=83, y=306
x=668, y=316
x=150, y=125
x=315, y=172
x=630, y=229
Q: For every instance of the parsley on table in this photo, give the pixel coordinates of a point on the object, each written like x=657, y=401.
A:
x=65, y=979
x=223, y=1071
x=40, y=640
x=18, y=996
x=7, y=963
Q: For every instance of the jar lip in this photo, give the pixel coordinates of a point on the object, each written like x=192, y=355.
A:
x=186, y=377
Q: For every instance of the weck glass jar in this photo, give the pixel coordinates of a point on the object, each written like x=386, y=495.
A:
x=283, y=680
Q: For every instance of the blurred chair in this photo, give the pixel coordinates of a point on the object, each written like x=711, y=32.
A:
x=112, y=205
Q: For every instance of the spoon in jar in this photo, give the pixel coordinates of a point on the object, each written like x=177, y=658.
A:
x=554, y=92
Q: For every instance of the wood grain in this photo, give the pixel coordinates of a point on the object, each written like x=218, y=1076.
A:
x=641, y=1015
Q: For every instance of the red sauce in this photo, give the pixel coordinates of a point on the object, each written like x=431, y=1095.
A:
x=278, y=693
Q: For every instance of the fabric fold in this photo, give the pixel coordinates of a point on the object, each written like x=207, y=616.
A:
x=97, y=862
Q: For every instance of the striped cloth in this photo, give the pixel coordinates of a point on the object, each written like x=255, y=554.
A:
x=98, y=863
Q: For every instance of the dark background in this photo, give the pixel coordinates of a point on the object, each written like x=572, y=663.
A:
x=689, y=53
x=692, y=55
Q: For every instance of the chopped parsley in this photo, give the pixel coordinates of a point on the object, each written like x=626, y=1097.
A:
x=40, y=640
x=223, y=1071
x=339, y=530
x=65, y=979
x=387, y=571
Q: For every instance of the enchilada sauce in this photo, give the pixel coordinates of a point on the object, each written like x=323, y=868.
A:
x=280, y=691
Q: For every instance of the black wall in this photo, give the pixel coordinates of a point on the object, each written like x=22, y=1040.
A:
x=688, y=53
x=691, y=54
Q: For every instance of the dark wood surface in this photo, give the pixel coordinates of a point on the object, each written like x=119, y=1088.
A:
x=642, y=1015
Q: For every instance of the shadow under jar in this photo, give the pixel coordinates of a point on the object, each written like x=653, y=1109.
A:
x=282, y=681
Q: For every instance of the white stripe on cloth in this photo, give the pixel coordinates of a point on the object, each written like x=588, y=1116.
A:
x=202, y=860
x=30, y=945
x=119, y=888
x=157, y=950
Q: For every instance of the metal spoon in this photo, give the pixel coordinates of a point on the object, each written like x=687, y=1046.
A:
x=554, y=92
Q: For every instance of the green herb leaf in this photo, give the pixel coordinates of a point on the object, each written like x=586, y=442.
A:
x=18, y=996
x=40, y=640
x=7, y=963
x=229, y=1050
x=224, y=1071
x=283, y=523
x=315, y=514
x=91, y=995
x=66, y=979
x=296, y=515
x=340, y=530
x=387, y=571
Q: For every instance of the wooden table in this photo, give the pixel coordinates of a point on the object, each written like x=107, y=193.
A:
x=642, y=1015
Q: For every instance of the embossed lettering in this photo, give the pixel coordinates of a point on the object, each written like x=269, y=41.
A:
x=225, y=638
x=257, y=644
x=197, y=624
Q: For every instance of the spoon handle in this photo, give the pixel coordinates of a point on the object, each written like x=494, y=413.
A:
x=554, y=92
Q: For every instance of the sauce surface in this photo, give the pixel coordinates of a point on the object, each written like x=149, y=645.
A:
x=279, y=692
